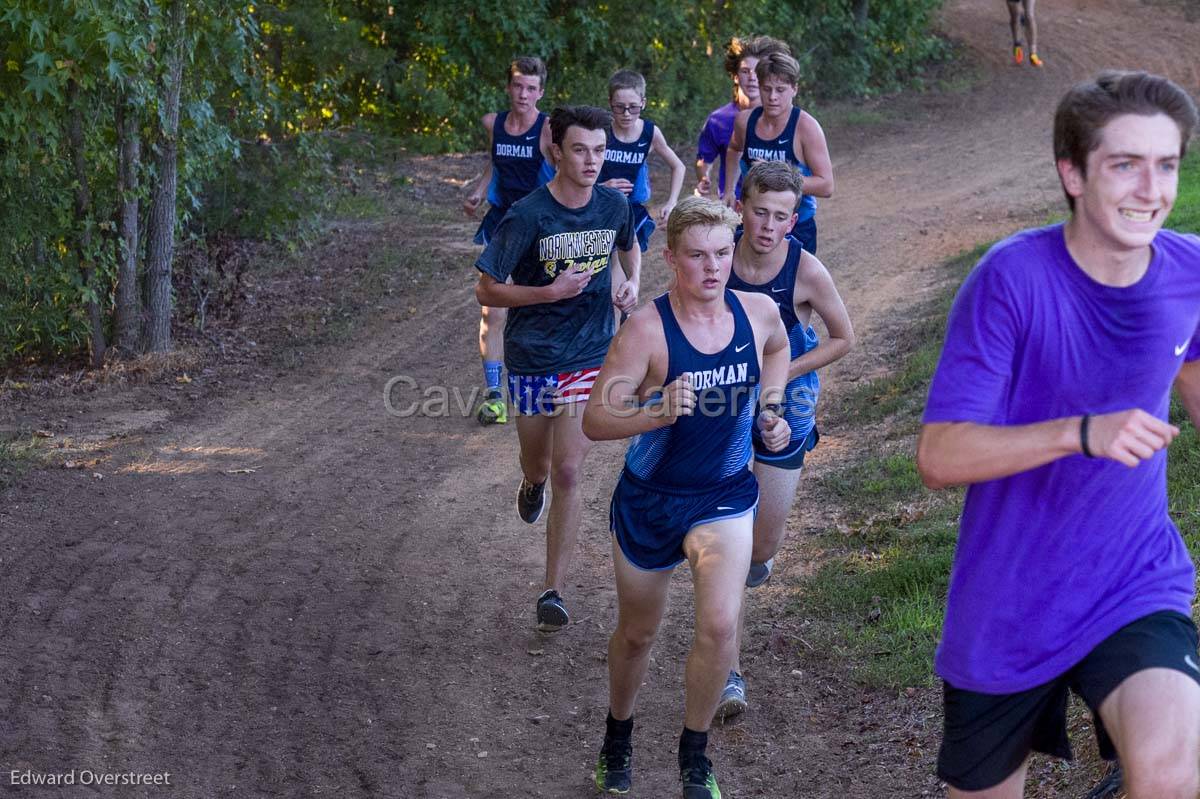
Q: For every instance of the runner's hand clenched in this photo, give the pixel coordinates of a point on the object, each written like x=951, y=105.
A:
x=1128, y=437
x=776, y=432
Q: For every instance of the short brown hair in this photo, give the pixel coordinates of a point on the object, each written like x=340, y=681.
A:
x=778, y=65
x=627, y=79
x=772, y=176
x=752, y=47
x=698, y=212
x=587, y=117
x=1089, y=106
x=528, y=65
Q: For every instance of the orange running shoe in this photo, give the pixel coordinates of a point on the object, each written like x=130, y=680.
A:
x=1018, y=53
x=1034, y=60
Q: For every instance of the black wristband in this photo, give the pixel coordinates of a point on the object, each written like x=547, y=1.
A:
x=1083, y=436
x=774, y=407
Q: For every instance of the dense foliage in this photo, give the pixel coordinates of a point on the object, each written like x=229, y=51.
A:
x=242, y=142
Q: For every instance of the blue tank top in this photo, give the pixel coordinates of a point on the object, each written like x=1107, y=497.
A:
x=703, y=449
x=628, y=160
x=780, y=149
x=800, y=397
x=518, y=166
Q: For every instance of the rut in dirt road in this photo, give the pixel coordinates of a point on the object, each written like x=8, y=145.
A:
x=296, y=594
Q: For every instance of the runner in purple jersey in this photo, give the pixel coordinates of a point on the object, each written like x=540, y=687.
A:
x=1051, y=403
x=741, y=57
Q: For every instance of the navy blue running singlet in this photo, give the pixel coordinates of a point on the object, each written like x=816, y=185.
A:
x=713, y=444
x=518, y=166
x=800, y=398
x=780, y=149
x=628, y=160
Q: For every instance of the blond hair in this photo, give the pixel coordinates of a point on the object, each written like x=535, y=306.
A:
x=698, y=212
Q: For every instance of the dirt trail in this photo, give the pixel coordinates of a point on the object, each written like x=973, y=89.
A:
x=353, y=616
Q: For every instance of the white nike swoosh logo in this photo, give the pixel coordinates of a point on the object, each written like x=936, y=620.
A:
x=776, y=291
x=1191, y=663
x=1181, y=349
x=722, y=507
x=784, y=141
x=531, y=138
x=643, y=144
x=739, y=349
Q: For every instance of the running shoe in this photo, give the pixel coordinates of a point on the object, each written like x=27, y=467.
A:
x=1034, y=60
x=531, y=500
x=759, y=573
x=698, y=779
x=552, y=613
x=1018, y=53
x=733, y=699
x=614, y=769
x=493, y=409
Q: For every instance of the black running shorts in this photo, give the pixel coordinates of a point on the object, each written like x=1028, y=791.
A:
x=986, y=737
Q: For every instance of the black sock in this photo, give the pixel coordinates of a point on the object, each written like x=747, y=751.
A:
x=617, y=729
x=691, y=745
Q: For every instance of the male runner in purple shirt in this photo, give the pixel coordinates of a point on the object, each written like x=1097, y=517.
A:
x=1051, y=403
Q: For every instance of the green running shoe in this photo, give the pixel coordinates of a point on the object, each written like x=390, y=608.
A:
x=614, y=769
x=698, y=779
x=493, y=409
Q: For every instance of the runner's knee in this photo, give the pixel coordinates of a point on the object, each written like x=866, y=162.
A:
x=634, y=638
x=1161, y=767
x=564, y=476
x=717, y=630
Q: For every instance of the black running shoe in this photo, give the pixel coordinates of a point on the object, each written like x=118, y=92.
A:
x=552, y=613
x=614, y=769
x=531, y=500
x=698, y=779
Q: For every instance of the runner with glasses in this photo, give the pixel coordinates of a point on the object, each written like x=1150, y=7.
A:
x=631, y=138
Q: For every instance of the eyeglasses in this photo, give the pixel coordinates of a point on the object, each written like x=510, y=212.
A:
x=632, y=110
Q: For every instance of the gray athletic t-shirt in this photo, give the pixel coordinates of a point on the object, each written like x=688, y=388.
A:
x=539, y=238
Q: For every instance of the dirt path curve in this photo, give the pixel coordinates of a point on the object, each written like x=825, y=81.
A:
x=353, y=617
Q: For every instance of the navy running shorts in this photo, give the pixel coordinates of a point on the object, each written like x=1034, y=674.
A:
x=650, y=521
x=986, y=737
x=487, y=228
x=791, y=456
x=643, y=225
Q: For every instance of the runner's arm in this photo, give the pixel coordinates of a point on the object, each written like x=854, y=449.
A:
x=733, y=157
x=811, y=148
x=631, y=264
x=475, y=198
x=494, y=294
x=1187, y=383
x=960, y=453
x=814, y=285
x=658, y=144
x=776, y=349
x=614, y=410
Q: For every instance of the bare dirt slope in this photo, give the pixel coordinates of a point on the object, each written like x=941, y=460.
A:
x=292, y=593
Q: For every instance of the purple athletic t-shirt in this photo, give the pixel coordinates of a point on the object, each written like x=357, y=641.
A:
x=714, y=140
x=1053, y=560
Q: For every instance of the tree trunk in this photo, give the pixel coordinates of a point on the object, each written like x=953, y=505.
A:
x=129, y=298
x=83, y=230
x=161, y=226
x=861, y=12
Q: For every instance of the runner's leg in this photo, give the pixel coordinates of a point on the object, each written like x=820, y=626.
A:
x=1153, y=718
x=719, y=555
x=641, y=601
x=570, y=447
